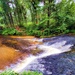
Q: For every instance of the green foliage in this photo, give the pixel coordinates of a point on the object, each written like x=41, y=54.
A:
x=9, y=73
x=24, y=73
x=63, y=19
x=37, y=20
x=10, y=31
x=31, y=73
x=33, y=30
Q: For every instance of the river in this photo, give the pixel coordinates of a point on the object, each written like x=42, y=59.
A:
x=53, y=51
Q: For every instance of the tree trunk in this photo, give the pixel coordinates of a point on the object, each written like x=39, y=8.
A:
x=34, y=13
x=49, y=12
x=11, y=19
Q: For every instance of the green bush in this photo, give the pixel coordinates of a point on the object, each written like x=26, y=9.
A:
x=9, y=73
x=31, y=73
x=62, y=20
x=24, y=73
x=10, y=31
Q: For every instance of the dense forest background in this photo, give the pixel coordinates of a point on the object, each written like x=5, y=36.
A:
x=37, y=17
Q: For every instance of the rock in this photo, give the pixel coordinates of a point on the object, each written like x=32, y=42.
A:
x=60, y=64
x=22, y=44
x=18, y=44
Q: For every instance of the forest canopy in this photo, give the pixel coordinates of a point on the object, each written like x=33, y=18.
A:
x=37, y=17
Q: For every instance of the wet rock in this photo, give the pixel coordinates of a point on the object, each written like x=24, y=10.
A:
x=21, y=44
x=18, y=44
x=60, y=64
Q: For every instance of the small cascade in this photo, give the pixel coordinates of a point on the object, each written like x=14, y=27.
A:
x=55, y=45
x=20, y=66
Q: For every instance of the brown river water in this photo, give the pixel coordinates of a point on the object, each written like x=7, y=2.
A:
x=9, y=55
x=18, y=52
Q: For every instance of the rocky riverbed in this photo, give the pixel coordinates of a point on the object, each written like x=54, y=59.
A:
x=59, y=64
x=62, y=64
x=14, y=48
x=57, y=56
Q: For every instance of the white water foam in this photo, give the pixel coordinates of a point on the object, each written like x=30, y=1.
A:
x=20, y=66
x=23, y=64
x=48, y=50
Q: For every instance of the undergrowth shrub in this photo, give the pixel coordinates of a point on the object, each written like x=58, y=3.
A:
x=23, y=73
x=10, y=31
x=31, y=73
